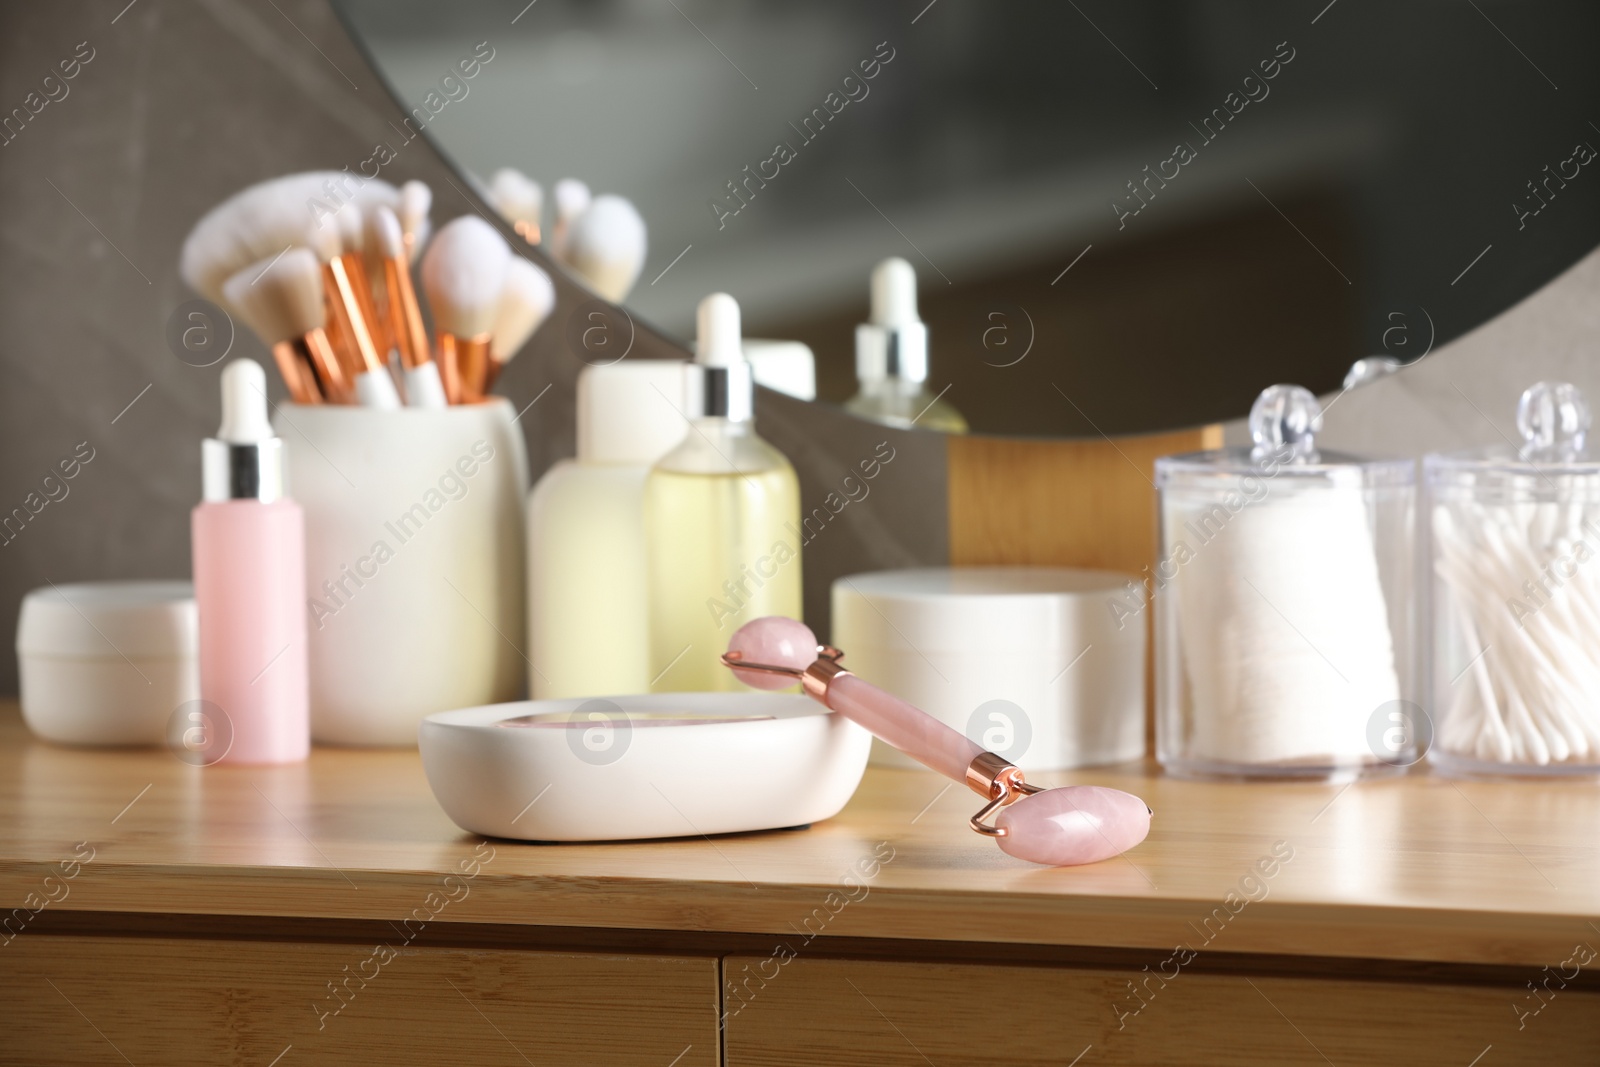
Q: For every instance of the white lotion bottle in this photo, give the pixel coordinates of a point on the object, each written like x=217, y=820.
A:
x=892, y=358
x=588, y=608
x=722, y=518
x=248, y=544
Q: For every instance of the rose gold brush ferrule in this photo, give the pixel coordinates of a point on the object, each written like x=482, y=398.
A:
x=294, y=366
x=350, y=302
x=492, y=372
x=377, y=301
x=405, y=315
x=332, y=381
x=464, y=367
x=527, y=229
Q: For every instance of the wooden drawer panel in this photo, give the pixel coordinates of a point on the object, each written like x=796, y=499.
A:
x=84, y=1000
x=845, y=1013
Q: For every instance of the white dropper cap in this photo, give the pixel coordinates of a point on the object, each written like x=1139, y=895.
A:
x=894, y=342
x=719, y=380
x=894, y=294
x=244, y=404
x=717, y=332
x=245, y=460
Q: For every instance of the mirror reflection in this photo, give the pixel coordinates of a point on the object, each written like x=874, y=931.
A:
x=1113, y=218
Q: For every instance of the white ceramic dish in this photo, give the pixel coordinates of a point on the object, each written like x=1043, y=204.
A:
x=625, y=768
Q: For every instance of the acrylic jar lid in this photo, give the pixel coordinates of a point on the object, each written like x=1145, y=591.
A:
x=1284, y=423
x=1554, y=463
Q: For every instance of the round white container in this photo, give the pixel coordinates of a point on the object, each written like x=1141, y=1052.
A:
x=414, y=562
x=107, y=663
x=1042, y=665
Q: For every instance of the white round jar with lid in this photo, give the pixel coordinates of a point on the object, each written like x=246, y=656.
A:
x=1284, y=608
x=1041, y=665
x=1514, y=620
x=107, y=663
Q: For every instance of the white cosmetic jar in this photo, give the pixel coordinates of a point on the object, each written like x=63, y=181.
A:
x=107, y=663
x=1042, y=665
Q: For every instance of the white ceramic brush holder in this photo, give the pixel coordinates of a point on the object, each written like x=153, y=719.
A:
x=1283, y=605
x=414, y=565
x=1514, y=539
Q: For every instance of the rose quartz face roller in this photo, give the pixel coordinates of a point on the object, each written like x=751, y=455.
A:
x=1061, y=827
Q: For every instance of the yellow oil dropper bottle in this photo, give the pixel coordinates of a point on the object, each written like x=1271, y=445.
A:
x=722, y=515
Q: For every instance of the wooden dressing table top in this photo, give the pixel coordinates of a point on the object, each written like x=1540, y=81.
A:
x=1412, y=868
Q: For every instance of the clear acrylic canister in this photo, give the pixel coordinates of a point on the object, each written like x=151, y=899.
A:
x=1514, y=536
x=1284, y=609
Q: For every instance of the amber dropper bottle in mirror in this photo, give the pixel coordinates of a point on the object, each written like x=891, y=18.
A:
x=892, y=358
x=722, y=518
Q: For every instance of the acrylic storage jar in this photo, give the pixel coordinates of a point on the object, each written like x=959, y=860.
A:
x=1284, y=608
x=414, y=562
x=1513, y=536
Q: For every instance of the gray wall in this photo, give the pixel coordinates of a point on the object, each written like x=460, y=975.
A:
x=182, y=103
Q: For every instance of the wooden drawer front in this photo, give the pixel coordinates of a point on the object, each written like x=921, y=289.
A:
x=80, y=1000
x=843, y=1013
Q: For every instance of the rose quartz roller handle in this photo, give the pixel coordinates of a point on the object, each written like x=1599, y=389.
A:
x=1065, y=826
x=909, y=729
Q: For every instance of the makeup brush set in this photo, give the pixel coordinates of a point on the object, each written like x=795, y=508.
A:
x=319, y=266
x=600, y=239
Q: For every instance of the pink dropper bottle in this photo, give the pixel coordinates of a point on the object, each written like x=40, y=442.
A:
x=249, y=583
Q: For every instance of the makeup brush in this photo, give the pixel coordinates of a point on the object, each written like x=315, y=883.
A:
x=606, y=246
x=423, y=386
x=528, y=298
x=464, y=275
x=416, y=200
x=520, y=200
x=263, y=219
x=352, y=225
x=572, y=200
x=350, y=308
x=280, y=299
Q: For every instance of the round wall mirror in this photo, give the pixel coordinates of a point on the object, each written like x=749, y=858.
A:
x=1122, y=217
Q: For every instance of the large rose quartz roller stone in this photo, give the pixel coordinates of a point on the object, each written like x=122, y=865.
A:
x=1073, y=824
x=1061, y=827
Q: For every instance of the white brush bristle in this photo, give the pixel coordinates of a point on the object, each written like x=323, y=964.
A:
x=606, y=246
x=347, y=220
x=572, y=198
x=529, y=296
x=516, y=196
x=386, y=238
x=416, y=200
x=464, y=275
x=262, y=220
x=279, y=297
